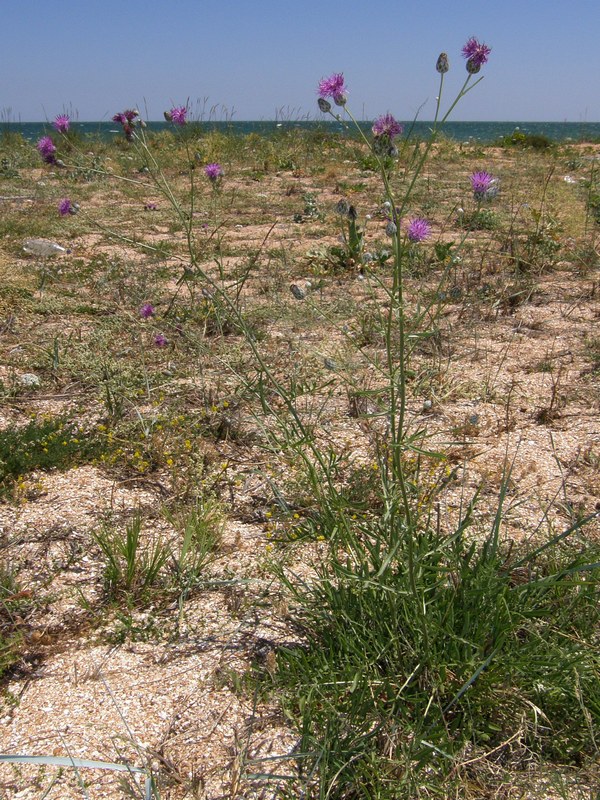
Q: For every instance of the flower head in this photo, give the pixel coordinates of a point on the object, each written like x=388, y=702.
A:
x=128, y=119
x=213, y=172
x=418, y=230
x=386, y=125
x=147, y=310
x=178, y=115
x=334, y=87
x=66, y=207
x=160, y=340
x=342, y=207
x=442, y=65
x=47, y=149
x=62, y=122
x=476, y=54
x=482, y=183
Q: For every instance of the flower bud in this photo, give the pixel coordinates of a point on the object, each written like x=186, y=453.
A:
x=298, y=293
x=324, y=105
x=442, y=65
x=473, y=67
x=391, y=228
x=342, y=207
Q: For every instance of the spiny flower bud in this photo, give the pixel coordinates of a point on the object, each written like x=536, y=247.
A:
x=442, y=65
x=342, y=207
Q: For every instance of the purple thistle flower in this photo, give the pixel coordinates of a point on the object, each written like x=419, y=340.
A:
x=386, y=125
x=62, y=123
x=160, y=340
x=213, y=172
x=65, y=207
x=178, y=115
x=481, y=183
x=476, y=54
x=147, y=310
x=127, y=119
x=418, y=230
x=47, y=149
x=334, y=87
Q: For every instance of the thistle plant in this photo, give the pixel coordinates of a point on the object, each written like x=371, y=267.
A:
x=413, y=631
x=385, y=129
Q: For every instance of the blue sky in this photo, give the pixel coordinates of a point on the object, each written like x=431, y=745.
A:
x=256, y=58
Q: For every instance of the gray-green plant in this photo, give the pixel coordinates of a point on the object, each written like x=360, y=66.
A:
x=132, y=567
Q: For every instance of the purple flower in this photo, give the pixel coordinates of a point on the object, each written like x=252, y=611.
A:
x=481, y=182
x=127, y=119
x=386, y=125
x=476, y=54
x=213, y=172
x=334, y=87
x=66, y=207
x=160, y=340
x=178, y=115
x=418, y=229
x=47, y=149
x=62, y=122
x=147, y=310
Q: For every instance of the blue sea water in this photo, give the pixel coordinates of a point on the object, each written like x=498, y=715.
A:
x=483, y=132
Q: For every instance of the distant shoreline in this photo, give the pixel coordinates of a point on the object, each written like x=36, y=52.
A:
x=481, y=132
